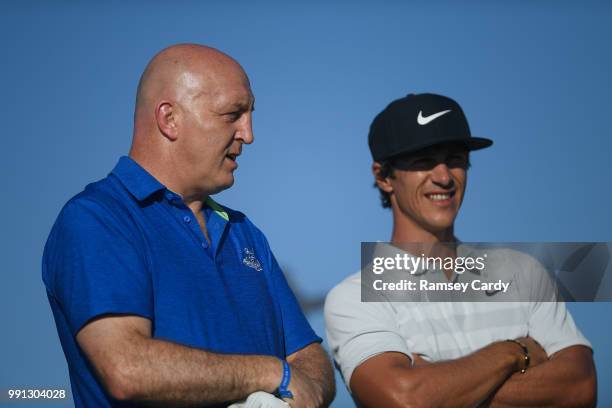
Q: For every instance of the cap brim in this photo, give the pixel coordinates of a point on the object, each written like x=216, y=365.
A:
x=473, y=143
x=477, y=143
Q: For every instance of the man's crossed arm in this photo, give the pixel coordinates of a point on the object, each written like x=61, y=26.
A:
x=489, y=376
x=133, y=366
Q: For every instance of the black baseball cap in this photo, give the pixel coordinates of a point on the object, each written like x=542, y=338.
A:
x=417, y=121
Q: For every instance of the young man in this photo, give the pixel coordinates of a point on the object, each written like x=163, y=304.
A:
x=161, y=296
x=443, y=354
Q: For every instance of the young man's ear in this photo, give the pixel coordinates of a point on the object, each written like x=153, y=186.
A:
x=382, y=183
x=166, y=117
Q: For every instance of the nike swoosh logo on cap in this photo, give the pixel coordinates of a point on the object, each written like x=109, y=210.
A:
x=423, y=120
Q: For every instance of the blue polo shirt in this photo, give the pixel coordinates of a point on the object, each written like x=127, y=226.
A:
x=128, y=245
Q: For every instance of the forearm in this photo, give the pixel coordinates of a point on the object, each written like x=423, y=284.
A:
x=161, y=373
x=566, y=380
x=312, y=361
x=464, y=382
x=389, y=380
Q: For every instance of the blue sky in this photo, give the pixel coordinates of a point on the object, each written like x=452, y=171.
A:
x=533, y=76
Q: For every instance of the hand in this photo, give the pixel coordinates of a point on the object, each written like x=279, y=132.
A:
x=537, y=354
x=304, y=390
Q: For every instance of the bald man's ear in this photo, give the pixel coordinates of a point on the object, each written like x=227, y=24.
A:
x=166, y=117
x=383, y=183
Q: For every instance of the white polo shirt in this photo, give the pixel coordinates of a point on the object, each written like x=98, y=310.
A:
x=438, y=331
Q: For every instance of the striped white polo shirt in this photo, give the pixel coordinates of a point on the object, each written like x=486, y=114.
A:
x=438, y=331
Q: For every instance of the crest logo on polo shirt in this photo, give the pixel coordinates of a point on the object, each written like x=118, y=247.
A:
x=250, y=260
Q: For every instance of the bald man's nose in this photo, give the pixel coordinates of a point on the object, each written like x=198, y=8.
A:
x=245, y=130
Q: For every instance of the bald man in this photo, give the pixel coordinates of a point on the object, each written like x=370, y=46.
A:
x=160, y=295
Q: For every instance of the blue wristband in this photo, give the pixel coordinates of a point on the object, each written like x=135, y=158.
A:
x=282, y=391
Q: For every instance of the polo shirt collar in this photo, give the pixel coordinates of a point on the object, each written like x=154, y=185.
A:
x=139, y=182
x=220, y=211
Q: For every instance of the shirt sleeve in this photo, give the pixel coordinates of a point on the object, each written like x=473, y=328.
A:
x=92, y=266
x=359, y=330
x=297, y=331
x=550, y=323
